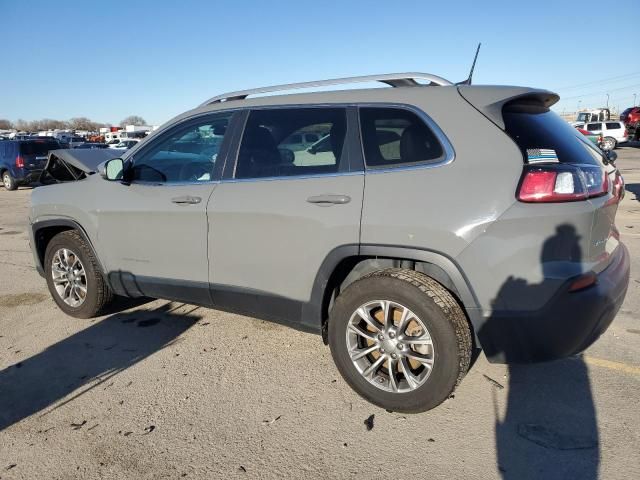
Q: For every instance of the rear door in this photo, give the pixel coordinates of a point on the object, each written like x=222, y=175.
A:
x=615, y=130
x=280, y=211
x=594, y=127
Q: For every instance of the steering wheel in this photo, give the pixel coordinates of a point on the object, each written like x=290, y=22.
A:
x=195, y=171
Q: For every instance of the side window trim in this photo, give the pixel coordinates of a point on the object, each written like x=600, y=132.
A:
x=344, y=167
x=231, y=160
x=353, y=147
x=185, y=124
x=447, y=156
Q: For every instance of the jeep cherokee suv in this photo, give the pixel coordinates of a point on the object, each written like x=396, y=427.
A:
x=406, y=241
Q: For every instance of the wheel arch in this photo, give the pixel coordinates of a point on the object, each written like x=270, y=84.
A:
x=44, y=230
x=347, y=263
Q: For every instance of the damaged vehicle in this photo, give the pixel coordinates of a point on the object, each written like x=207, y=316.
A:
x=404, y=241
x=69, y=165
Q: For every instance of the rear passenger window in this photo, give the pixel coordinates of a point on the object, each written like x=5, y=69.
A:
x=392, y=136
x=613, y=126
x=272, y=144
x=594, y=127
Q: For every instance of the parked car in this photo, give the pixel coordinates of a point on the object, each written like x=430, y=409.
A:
x=73, y=142
x=613, y=132
x=631, y=119
x=596, y=138
x=86, y=145
x=412, y=244
x=125, y=144
x=22, y=161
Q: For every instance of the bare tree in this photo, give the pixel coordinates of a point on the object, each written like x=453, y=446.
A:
x=21, y=125
x=83, y=123
x=51, y=124
x=133, y=120
x=5, y=124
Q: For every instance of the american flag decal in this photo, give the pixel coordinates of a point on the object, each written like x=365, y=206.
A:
x=535, y=155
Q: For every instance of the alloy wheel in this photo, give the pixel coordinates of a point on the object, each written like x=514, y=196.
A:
x=390, y=346
x=69, y=277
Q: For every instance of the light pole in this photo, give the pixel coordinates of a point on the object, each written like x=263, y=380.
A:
x=634, y=99
x=579, y=102
x=607, y=100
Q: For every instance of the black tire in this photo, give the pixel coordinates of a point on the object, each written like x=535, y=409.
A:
x=8, y=181
x=98, y=295
x=441, y=314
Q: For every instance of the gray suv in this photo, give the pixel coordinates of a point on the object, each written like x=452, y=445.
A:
x=431, y=221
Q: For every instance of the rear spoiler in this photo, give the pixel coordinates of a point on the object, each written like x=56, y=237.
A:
x=489, y=100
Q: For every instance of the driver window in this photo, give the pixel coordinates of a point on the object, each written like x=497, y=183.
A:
x=185, y=155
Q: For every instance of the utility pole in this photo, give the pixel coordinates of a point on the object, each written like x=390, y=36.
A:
x=607, y=100
x=634, y=99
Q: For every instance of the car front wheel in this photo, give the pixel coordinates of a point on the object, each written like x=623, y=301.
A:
x=73, y=276
x=400, y=340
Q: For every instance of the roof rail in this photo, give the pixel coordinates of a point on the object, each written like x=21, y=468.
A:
x=393, y=79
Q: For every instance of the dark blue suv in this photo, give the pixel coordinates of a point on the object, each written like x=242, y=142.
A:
x=22, y=161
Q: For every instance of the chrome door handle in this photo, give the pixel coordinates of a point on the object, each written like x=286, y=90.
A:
x=326, y=200
x=186, y=200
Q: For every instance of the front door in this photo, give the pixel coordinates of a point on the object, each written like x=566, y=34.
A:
x=283, y=211
x=153, y=230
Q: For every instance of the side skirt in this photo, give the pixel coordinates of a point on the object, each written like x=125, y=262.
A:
x=243, y=301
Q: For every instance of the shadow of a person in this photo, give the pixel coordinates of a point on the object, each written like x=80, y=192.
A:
x=549, y=429
x=86, y=359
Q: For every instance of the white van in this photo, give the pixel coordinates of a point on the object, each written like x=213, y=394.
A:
x=614, y=132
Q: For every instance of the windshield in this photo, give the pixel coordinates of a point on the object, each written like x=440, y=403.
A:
x=583, y=117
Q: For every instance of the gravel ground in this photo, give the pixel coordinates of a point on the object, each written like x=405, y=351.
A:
x=167, y=390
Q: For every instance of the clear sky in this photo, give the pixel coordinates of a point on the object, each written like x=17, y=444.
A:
x=107, y=60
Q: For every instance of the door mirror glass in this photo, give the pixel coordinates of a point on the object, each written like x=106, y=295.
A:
x=114, y=169
x=611, y=156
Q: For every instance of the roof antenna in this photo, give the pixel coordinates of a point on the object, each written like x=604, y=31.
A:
x=473, y=65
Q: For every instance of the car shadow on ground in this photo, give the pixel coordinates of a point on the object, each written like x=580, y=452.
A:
x=549, y=429
x=633, y=188
x=87, y=359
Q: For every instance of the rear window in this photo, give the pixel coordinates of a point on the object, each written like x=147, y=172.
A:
x=37, y=148
x=544, y=136
x=613, y=125
x=392, y=137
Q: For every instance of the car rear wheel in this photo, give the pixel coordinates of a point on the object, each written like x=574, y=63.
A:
x=609, y=143
x=9, y=182
x=400, y=340
x=73, y=276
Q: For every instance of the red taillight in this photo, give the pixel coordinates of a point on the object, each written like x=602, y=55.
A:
x=19, y=162
x=561, y=183
x=583, y=281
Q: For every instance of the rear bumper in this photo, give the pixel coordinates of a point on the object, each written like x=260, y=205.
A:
x=25, y=176
x=568, y=324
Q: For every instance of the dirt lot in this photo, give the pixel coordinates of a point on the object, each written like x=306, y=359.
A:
x=166, y=390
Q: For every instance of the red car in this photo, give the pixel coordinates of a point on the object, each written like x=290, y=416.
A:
x=631, y=119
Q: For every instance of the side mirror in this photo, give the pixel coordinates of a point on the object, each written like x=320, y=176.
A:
x=611, y=155
x=112, y=170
